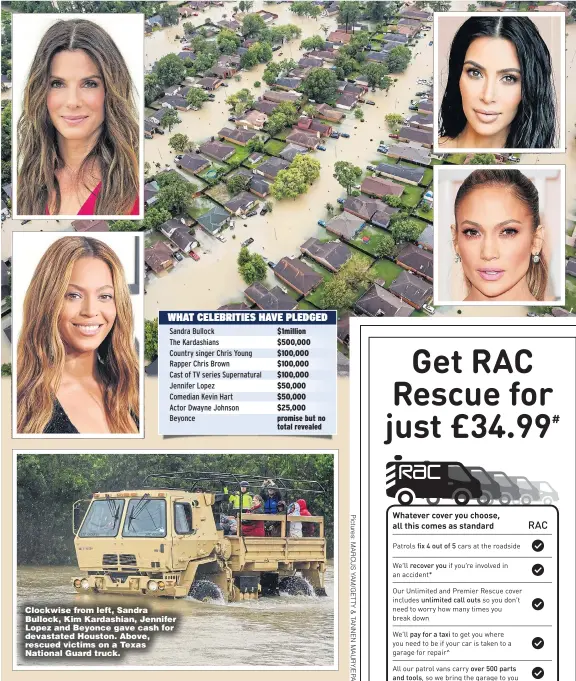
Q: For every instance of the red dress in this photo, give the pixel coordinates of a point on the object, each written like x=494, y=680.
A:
x=90, y=203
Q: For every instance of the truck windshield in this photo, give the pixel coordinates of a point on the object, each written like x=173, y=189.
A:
x=456, y=472
x=145, y=517
x=102, y=519
x=545, y=487
x=480, y=475
x=501, y=479
x=523, y=483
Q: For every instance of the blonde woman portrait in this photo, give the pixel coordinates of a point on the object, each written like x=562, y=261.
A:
x=77, y=366
x=78, y=133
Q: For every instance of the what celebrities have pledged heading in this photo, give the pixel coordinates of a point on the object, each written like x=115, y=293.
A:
x=482, y=361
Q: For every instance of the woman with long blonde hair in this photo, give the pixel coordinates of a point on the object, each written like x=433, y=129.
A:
x=78, y=135
x=77, y=365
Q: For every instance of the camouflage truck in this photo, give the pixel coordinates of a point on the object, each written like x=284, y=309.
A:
x=164, y=541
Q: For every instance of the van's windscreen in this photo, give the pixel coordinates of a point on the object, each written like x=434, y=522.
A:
x=102, y=519
x=523, y=483
x=458, y=473
x=145, y=518
x=502, y=480
x=480, y=476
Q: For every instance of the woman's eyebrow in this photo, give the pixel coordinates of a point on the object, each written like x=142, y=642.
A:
x=85, y=77
x=500, y=224
x=479, y=66
x=81, y=288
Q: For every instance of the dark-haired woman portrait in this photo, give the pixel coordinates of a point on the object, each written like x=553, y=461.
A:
x=500, y=91
x=78, y=135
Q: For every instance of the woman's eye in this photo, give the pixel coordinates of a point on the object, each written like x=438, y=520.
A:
x=471, y=233
x=56, y=83
x=91, y=84
x=73, y=296
x=474, y=73
x=106, y=297
x=510, y=231
x=510, y=79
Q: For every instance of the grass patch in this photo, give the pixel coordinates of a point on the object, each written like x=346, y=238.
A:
x=570, y=293
x=428, y=176
x=283, y=134
x=219, y=193
x=154, y=237
x=200, y=206
x=421, y=223
x=374, y=234
x=437, y=162
x=457, y=158
x=378, y=36
x=425, y=215
x=304, y=305
x=248, y=164
x=386, y=270
x=274, y=147
x=241, y=154
x=385, y=159
x=411, y=195
x=407, y=164
x=222, y=168
x=570, y=251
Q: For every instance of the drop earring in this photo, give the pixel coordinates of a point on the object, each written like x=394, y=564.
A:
x=457, y=258
x=536, y=258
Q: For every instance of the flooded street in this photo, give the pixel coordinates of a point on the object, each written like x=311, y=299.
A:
x=284, y=631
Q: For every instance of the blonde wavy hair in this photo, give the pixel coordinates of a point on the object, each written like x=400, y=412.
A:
x=115, y=152
x=41, y=352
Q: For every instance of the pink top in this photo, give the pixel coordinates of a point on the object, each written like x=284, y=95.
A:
x=90, y=203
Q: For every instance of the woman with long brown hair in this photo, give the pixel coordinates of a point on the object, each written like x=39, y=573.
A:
x=77, y=365
x=78, y=135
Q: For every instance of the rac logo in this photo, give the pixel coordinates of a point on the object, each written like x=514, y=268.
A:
x=418, y=471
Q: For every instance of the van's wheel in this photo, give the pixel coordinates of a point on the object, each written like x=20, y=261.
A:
x=405, y=497
x=295, y=586
x=547, y=501
x=505, y=499
x=205, y=591
x=433, y=501
x=484, y=499
x=526, y=499
x=462, y=497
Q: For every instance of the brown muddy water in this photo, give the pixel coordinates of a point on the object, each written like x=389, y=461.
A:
x=291, y=631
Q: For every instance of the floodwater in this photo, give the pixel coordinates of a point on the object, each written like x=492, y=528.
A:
x=286, y=631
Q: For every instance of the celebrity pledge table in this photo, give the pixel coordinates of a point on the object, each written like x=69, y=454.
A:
x=247, y=372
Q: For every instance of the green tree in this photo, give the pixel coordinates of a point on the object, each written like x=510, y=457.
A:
x=306, y=9
x=347, y=174
x=188, y=27
x=320, y=85
x=253, y=25
x=349, y=13
x=377, y=75
x=125, y=226
x=325, y=29
x=170, y=69
x=271, y=72
x=483, y=159
x=146, y=168
x=179, y=142
x=329, y=209
x=346, y=64
x=204, y=61
x=358, y=113
x=288, y=185
x=196, y=97
x=7, y=369
x=315, y=42
x=243, y=256
x=471, y=8
x=255, y=144
x=257, y=83
x=398, y=59
x=240, y=101
x=154, y=217
x=433, y=6
x=6, y=142
x=382, y=11
x=269, y=206
x=386, y=247
x=394, y=121
x=169, y=14
x=237, y=183
x=309, y=110
x=307, y=167
x=289, y=110
x=405, y=229
x=355, y=272
x=275, y=123
x=227, y=41
x=336, y=295
x=152, y=88
x=176, y=196
x=253, y=270
x=394, y=201
x=151, y=339
x=170, y=119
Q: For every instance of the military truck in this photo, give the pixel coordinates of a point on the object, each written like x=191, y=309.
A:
x=169, y=541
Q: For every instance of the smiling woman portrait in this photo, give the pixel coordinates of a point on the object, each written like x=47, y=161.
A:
x=78, y=135
x=500, y=91
x=497, y=237
x=77, y=366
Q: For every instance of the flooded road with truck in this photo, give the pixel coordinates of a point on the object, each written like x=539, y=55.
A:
x=292, y=631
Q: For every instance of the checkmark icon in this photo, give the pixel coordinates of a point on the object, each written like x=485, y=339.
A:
x=538, y=570
x=538, y=673
x=537, y=604
x=537, y=545
x=538, y=643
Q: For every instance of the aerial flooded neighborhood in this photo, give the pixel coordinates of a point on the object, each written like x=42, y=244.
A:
x=289, y=159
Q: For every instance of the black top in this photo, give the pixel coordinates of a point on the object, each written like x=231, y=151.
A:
x=60, y=424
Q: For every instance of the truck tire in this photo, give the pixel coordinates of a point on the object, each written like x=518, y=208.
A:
x=433, y=501
x=462, y=497
x=505, y=499
x=546, y=500
x=405, y=497
x=485, y=499
x=296, y=586
x=525, y=499
x=205, y=591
